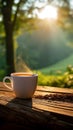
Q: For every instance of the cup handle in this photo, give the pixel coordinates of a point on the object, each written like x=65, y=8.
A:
x=4, y=82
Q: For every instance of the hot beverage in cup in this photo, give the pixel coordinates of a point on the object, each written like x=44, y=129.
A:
x=23, y=84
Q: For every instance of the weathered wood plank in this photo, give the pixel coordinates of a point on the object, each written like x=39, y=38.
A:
x=36, y=112
x=54, y=89
x=44, y=89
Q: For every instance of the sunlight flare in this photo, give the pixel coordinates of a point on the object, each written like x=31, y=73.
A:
x=49, y=12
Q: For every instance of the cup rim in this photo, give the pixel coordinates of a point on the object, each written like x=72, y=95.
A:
x=23, y=74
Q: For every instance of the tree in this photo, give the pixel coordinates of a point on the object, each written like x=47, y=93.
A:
x=9, y=21
x=65, y=13
x=12, y=12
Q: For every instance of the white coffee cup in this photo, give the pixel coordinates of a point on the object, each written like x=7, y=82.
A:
x=23, y=84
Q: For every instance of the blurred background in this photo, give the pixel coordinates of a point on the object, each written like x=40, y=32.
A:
x=37, y=35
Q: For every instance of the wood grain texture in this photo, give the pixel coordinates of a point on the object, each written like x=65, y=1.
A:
x=35, y=113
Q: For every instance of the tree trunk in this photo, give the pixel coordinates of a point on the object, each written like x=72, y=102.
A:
x=8, y=26
x=9, y=51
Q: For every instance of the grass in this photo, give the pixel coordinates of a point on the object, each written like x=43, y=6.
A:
x=57, y=75
x=59, y=67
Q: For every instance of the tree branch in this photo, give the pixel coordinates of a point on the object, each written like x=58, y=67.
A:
x=15, y=16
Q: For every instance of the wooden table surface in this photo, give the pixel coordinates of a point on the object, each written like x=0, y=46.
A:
x=37, y=112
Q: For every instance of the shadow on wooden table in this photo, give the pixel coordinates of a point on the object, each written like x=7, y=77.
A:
x=20, y=114
x=14, y=114
x=29, y=114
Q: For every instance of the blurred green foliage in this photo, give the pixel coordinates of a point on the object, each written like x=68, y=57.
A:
x=65, y=80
